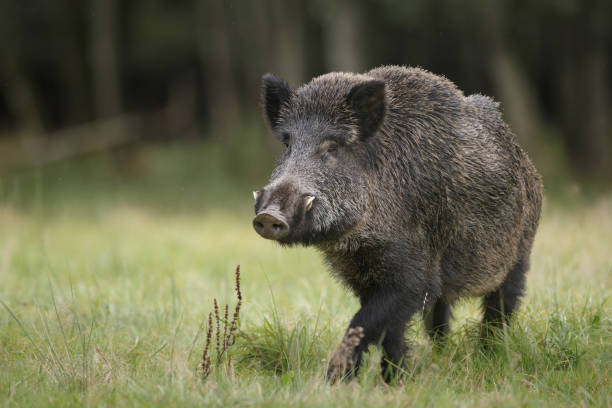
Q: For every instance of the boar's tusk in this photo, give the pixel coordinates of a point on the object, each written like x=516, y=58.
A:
x=309, y=200
x=255, y=195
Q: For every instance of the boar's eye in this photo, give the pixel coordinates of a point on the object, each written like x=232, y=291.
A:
x=285, y=138
x=332, y=148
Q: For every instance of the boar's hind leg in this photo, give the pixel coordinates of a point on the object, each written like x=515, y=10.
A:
x=499, y=305
x=436, y=321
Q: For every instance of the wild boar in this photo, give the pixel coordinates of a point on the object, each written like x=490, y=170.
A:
x=415, y=194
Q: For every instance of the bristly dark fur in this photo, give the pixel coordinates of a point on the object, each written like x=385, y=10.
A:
x=427, y=198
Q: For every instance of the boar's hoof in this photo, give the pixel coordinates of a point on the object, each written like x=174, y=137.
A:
x=342, y=362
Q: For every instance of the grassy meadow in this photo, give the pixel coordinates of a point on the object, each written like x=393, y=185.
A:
x=107, y=278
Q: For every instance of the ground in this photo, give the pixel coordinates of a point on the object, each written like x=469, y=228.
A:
x=105, y=302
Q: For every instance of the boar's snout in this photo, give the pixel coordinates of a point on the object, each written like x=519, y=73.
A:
x=279, y=209
x=271, y=224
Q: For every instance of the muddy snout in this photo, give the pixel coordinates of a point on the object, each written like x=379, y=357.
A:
x=275, y=211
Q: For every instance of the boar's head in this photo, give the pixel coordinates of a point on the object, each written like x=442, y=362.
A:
x=318, y=191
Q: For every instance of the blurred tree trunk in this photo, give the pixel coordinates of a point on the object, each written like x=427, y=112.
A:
x=585, y=93
x=28, y=115
x=22, y=101
x=342, y=42
x=25, y=105
x=289, y=40
x=258, y=52
x=103, y=57
x=596, y=155
x=215, y=57
x=257, y=58
x=512, y=85
x=71, y=67
x=181, y=109
x=519, y=102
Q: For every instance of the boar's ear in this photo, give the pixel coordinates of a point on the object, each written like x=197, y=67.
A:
x=368, y=102
x=274, y=93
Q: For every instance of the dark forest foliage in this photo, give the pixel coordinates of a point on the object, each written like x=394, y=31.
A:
x=187, y=65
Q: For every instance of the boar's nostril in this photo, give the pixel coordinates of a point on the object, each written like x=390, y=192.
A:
x=271, y=225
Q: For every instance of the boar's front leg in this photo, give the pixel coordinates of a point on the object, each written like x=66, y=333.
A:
x=347, y=357
x=381, y=320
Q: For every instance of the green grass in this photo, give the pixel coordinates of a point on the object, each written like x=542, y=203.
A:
x=106, y=282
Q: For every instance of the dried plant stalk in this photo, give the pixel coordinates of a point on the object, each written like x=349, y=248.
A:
x=218, y=332
x=225, y=320
x=205, y=354
x=234, y=324
x=223, y=341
